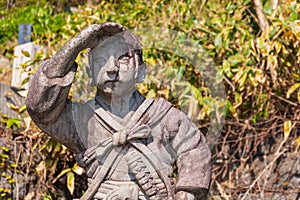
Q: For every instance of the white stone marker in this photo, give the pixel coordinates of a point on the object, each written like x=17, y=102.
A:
x=19, y=74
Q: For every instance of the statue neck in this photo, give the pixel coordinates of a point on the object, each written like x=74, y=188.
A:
x=120, y=106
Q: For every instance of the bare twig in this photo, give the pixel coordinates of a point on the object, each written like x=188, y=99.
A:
x=262, y=173
x=222, y=192
x=283, y=99
x=274, y=4
x=229, y=83
x=262, y=21
x=278, y=153
x=202, y=5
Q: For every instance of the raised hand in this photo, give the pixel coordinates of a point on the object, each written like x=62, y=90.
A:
x=90, y=36
x=61, y=63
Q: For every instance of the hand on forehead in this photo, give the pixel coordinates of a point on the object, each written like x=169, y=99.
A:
x=118, y=45
x=115, y=48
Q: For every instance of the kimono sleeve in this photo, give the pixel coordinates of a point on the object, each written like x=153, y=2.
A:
x=48, y=105
x=193, y=154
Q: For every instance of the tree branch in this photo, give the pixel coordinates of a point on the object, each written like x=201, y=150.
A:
x=262, y=21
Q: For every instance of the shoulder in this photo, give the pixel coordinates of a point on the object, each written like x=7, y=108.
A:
x=82, y=111
x=174, y=118
x=162, y=103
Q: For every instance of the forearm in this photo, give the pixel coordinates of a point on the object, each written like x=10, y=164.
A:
x=193, y=162
x=64, y=59
x=47, y=96
x=194, y=169
x=89, y=37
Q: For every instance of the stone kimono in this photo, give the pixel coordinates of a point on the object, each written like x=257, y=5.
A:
x=154, y=152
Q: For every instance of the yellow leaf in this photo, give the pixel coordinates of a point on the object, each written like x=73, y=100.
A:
x=292, y=89
x=61, y=174
x=78, y=170
x=297, y=142
x=287, y=127
x=22, y=109
x=13, y=107
x=165, y=92
x=151, y=94
x=298, y=96
x=40, y=167
x=71, y=182
x=284, y=183
x=23, y=93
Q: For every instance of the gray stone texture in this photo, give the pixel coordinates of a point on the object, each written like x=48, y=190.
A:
x=130, y=146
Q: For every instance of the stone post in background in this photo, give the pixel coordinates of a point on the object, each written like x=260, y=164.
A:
x=24, y=53
x=12, y=96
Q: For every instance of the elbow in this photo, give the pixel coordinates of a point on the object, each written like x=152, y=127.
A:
x=34, y=110
x=44, y=112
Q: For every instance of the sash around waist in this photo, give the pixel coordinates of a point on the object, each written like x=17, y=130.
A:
x=113, y=190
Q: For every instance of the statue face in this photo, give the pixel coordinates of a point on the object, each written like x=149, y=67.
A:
x=114, y=68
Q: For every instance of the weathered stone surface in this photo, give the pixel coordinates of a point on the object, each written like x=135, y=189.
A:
x=127, y=144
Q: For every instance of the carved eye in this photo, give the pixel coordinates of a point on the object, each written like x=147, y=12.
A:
x=124, y=59
x=100, y=60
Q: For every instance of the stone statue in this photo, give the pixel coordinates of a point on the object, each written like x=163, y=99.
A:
x=131, y=147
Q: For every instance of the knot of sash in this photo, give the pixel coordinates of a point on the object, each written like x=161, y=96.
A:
x=119, y=138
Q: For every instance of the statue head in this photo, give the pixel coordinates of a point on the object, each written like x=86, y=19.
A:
x=116, y=64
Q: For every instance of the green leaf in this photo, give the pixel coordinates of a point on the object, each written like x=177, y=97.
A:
x=238, y=100
x=151, y=93
x=243, y=80
x=267, y=9
x=25, y=53
x=180, y=72
x=13, y=121
x=218, y=42
x=227, y=69
x=56, y=149
x=231, y=108
x=71, y=182
x=236, y=59
x=26, y=80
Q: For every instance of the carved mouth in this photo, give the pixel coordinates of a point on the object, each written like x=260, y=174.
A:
x=111, y=83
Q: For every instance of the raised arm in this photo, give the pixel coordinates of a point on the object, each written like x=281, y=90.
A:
x=63, y=60
x=49, y=88
x=47, y=101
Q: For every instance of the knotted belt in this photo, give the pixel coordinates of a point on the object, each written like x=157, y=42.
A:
x=121, y=135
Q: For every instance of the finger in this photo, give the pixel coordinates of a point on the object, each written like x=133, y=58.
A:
x=111, y=28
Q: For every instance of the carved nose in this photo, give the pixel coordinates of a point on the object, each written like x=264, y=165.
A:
x=113, y=65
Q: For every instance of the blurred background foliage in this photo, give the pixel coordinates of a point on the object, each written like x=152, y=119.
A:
x=258, y=65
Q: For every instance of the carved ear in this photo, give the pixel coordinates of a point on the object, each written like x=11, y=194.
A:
x=141, y=72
